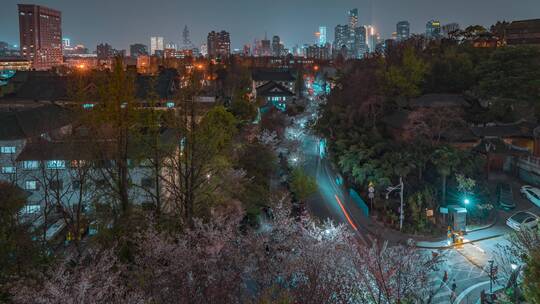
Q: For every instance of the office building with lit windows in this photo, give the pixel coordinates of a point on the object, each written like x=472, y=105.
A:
x=403, y=30
x=219, y=44
x=156, y=45
x=40, y=30
x=322, y=35
x=433, y=29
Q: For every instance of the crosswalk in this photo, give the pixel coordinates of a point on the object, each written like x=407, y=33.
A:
x=441, y=291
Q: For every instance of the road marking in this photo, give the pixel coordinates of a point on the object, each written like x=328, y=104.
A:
x=464, y=293
x=345, y=212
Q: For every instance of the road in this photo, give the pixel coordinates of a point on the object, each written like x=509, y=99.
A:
x=466, y=266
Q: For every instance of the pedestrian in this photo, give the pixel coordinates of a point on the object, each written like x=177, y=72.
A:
x=445, y=277
x=453, y=295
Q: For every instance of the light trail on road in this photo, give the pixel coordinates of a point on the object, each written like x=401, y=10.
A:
x=345, y=212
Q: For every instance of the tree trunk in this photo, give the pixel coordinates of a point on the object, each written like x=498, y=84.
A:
x=443, y=190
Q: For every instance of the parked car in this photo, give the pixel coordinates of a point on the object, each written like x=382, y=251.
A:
x=505, y=197
x=521, y=220
x=531, y=193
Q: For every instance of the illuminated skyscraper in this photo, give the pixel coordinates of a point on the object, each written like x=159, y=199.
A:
x=40, y=31
x=403, y=30
x=353, y=18
x=341, y=37
x=219, y=44
x=156, y=44
x=322, y=35
x=371, y=38
x=433, y=29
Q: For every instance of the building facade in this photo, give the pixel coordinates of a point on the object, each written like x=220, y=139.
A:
x=138, y=49
x=40, y=30
x=104, y=51
x=219, y=44
x=403, y=30
x=156, y=45
x=433, y=29
x=523, y=32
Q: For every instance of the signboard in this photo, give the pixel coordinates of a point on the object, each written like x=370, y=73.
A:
x=443, y=210
x=429, y=212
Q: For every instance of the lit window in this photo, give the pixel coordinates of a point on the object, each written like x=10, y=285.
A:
x=88, y=105
x=8, y=170
x=32, y=208
x=30, y=185
x=30, y=164
x=7, y=150
x=56, y=164
x=170, y=104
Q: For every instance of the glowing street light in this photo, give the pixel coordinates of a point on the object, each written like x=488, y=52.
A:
x=466, y=201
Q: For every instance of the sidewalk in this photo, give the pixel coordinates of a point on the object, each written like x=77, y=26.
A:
x=470, y=237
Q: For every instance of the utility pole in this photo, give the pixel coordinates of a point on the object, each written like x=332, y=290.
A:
x=401, y=188
x=401, y=213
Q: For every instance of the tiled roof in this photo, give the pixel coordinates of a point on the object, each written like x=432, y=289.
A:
x=32, y=122
x=273, y=89
x=521, y=129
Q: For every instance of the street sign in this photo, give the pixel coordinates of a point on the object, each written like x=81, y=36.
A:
x=371, y=195
x=371, y=189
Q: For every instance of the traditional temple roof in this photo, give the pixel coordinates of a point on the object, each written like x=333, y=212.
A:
x=273, y=89
x=519, y=129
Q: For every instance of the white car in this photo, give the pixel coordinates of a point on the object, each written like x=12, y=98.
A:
x=532, y=194
x=521, y=220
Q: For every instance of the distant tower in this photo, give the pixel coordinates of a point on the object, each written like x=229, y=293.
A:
x=403, y=30
x=322, y=35
x=185, y=38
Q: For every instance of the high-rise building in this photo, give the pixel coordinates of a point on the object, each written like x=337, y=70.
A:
x=40, y=30
x=156, y=44
x=450, y=28
x=361, y=46
x=403, y=30
x=319, y=52
x=265, y=48
x=341, y=36
x=322, y=35
x=138, y=49
x=353, y=18
x=371, y=38
x=433, y=29
x=104, y=51
x=186, y=41
x=276, y=46
x=219, y=44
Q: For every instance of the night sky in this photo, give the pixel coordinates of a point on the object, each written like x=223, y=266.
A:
x=122, y=22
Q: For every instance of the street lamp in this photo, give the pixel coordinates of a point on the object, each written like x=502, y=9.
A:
x=466, y=201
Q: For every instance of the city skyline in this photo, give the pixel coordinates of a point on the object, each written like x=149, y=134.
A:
x=121, y=24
